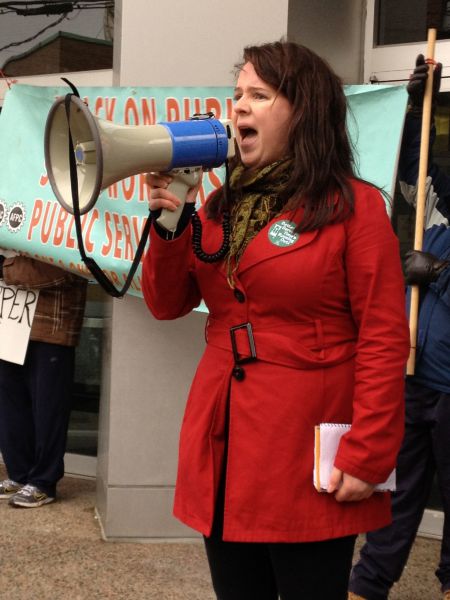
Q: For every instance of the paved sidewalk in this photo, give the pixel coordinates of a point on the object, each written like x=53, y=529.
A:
x=56, y=553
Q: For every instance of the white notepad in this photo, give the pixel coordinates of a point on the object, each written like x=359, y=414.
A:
x=326, y=442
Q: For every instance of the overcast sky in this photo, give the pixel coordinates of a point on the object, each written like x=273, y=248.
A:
x=15, y=28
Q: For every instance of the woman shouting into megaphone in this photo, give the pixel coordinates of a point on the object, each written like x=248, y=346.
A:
x=306, y=325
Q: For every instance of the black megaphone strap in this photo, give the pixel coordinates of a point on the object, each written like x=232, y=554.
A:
x=90, y=262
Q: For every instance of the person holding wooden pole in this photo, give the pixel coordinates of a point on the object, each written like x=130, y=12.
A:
x=425, y=450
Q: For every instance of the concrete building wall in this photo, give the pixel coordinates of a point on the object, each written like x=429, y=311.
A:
x=335, y=30
x=182, y=43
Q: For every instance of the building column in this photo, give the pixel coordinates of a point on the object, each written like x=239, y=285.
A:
x=149, y=364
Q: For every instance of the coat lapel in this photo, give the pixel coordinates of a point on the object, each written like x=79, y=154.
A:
x=275, y=239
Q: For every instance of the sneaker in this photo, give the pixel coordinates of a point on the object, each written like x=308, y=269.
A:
x=8, y=487
x=30, y=497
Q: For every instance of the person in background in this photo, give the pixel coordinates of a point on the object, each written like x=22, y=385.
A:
x=306, y=325
x=36, y=397
x=425, y=449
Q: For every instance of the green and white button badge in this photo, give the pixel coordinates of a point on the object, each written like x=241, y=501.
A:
x=282, y=233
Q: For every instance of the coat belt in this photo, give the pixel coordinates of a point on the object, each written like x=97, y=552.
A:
x=311, y=344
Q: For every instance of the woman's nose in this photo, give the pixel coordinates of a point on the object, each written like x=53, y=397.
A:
x=240, y=105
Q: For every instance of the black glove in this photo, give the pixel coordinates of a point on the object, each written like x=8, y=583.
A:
x=422, y=268
x=417, y=82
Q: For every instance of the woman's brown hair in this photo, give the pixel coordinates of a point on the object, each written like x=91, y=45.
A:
x=318, y=140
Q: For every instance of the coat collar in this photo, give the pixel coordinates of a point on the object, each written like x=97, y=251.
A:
x=275, y=239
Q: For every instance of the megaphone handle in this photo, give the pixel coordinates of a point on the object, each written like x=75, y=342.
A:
x=183, y=180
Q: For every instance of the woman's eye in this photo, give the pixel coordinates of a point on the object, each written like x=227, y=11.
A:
x=253, y=95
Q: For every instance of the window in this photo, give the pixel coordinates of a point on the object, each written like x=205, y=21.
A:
x=404, y=21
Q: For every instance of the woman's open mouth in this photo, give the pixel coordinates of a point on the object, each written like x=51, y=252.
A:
x=247, y=134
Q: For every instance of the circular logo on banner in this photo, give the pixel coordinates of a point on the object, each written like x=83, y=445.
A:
x=2, y=211
x=282, y=234
x=16, y=218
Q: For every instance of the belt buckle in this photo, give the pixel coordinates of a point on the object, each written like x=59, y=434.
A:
x=251, y=343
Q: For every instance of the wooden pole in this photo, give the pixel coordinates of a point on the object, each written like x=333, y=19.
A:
x=421, y=196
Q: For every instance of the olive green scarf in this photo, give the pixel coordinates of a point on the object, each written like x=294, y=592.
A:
x=258, y=202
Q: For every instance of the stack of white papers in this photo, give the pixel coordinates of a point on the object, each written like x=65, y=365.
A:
x=326, y=442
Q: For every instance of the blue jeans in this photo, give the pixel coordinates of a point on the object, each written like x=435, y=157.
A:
x=35, y=404
x=424, y=452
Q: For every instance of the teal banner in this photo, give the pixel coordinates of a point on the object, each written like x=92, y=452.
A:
x=32, y=222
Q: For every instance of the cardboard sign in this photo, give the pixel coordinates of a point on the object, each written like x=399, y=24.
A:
x=17, y=308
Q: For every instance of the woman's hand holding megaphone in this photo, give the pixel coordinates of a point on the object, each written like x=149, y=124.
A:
x=170, y=191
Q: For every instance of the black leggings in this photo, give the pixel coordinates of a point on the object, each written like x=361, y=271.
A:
x=292, y=571
x=266, y=571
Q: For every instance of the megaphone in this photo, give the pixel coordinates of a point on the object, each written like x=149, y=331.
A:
x=106, y=153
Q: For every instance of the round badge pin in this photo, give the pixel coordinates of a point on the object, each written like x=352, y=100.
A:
x=15, y=218
x=283, y=234
x=3, y=210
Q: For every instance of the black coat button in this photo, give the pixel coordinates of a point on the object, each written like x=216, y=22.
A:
x=239, y=295
x=239, y=373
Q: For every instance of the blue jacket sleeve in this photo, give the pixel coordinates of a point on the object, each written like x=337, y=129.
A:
x=438, y=196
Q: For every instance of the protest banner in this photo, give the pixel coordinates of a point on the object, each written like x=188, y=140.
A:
x=33, y=222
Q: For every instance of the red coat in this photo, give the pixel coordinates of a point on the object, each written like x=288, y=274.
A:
x=327, y=316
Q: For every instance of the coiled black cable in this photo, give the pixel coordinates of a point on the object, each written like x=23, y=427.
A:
x=226, y=228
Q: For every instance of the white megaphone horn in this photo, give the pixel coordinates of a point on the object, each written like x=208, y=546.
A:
x=106, y=153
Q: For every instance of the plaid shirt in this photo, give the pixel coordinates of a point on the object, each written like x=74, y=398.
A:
x=62, y=297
